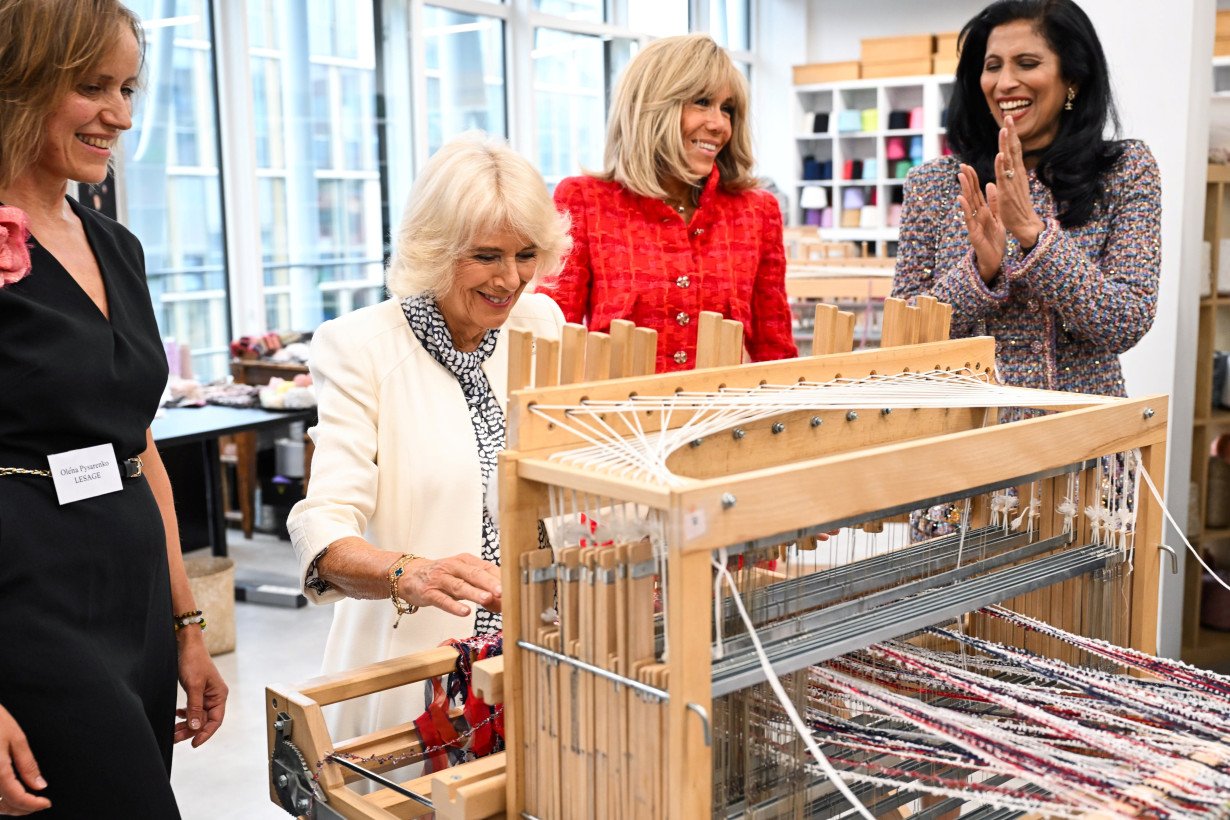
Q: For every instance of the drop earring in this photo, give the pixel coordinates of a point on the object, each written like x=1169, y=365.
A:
x=1067, y=106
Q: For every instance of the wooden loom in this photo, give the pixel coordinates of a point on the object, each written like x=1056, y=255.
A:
x=758, y=488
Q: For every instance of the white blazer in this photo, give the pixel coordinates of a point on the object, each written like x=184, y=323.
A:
x=396, y=463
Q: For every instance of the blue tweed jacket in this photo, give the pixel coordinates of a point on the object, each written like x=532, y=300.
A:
x=1062, y=313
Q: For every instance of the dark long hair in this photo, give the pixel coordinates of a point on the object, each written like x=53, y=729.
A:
x=1072, y=165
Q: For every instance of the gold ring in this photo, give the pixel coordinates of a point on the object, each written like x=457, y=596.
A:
x=1010, y=173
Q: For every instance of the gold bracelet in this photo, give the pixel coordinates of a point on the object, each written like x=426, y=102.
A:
x=402, y=606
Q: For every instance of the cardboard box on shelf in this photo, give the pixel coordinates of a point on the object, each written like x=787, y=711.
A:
x=826, y=72
x=944, y=65
x=946, y=44
x=1221, y=46
x=908, y=47
x=1223, y=23
x=897, y=68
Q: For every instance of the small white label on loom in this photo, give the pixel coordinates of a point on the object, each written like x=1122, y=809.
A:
x=694, y=524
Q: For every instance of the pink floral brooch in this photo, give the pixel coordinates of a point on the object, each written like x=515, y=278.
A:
x=14, y=245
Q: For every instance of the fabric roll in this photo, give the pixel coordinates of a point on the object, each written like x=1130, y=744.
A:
x=916, y=149
x=850, y=121
x=813, y=197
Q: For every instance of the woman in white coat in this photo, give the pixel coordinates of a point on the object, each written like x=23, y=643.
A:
x=395, y=526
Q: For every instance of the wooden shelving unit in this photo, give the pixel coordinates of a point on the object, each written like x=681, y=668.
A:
x=929, y=92
x=1203, y=646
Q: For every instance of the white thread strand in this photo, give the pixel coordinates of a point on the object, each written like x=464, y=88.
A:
x=799, y=726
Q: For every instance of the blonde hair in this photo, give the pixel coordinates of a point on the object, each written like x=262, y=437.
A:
x=472, y=186
x=644, y=141
x=46, y=47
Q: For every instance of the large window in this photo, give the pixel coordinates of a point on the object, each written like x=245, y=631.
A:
x=569, y=101
x=464, y=56
x=313, y=171
x=317, y=158
x=174, y=200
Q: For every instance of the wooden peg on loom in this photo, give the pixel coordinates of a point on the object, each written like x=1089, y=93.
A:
x=900, y=323
x=520, y=359
x=730, y=343
x=935, y=319
x=833, y=331
x=572, y=354
x=546, y=363
x=597, y=357
x=708, y=339
x=621, y=348
x=644, y=352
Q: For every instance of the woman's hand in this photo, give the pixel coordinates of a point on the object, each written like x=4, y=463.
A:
x=449, y=581
x=986, y=232
x=204, y=687
x=1015, y=206
x=18, y=767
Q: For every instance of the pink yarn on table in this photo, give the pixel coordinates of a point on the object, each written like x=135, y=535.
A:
x=14, y=245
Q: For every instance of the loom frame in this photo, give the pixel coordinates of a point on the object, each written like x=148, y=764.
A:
x=769, y=498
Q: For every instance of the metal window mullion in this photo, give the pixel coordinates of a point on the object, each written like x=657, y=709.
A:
x=519, y=102
x=237, y=155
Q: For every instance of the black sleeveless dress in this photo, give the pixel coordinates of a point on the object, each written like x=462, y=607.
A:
x=87, y=648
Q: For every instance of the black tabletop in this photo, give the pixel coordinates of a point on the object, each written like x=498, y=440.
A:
x=183, y=425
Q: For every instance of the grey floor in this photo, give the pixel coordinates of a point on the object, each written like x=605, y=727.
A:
x=226, y=779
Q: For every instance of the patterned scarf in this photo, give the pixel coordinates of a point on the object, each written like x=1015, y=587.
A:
x=485, y=414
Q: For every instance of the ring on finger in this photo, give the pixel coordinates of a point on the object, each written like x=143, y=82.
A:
x=973, y=213
x=1010, y=173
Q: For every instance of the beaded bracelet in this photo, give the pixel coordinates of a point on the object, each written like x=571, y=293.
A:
x=402, y=606
x=188, y=619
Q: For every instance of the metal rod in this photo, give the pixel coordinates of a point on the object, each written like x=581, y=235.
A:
x=742, y=669
x=704, y=719
x=597, y=670
x=383, y=781
x=902, y=588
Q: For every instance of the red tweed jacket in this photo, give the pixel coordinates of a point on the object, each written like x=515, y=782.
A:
x=635, y=258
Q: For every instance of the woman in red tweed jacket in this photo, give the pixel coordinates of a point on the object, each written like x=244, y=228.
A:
x=675, y=224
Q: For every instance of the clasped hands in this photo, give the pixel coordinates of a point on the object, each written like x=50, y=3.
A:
x=1005, y=209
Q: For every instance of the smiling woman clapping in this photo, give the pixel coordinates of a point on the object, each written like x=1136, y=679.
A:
x=1040, y=231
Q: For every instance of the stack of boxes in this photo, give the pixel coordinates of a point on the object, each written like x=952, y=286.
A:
x=904, y=56
x=913, y=54
x=944, y=60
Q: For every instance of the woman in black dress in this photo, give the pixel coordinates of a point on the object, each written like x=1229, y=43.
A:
x=96, y=615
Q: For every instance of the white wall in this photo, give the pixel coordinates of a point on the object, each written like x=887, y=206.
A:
x=1159, y=55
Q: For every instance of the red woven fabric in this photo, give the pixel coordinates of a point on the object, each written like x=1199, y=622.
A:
x=630, y=252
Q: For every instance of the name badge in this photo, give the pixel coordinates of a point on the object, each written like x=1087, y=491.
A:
x=85, y=473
